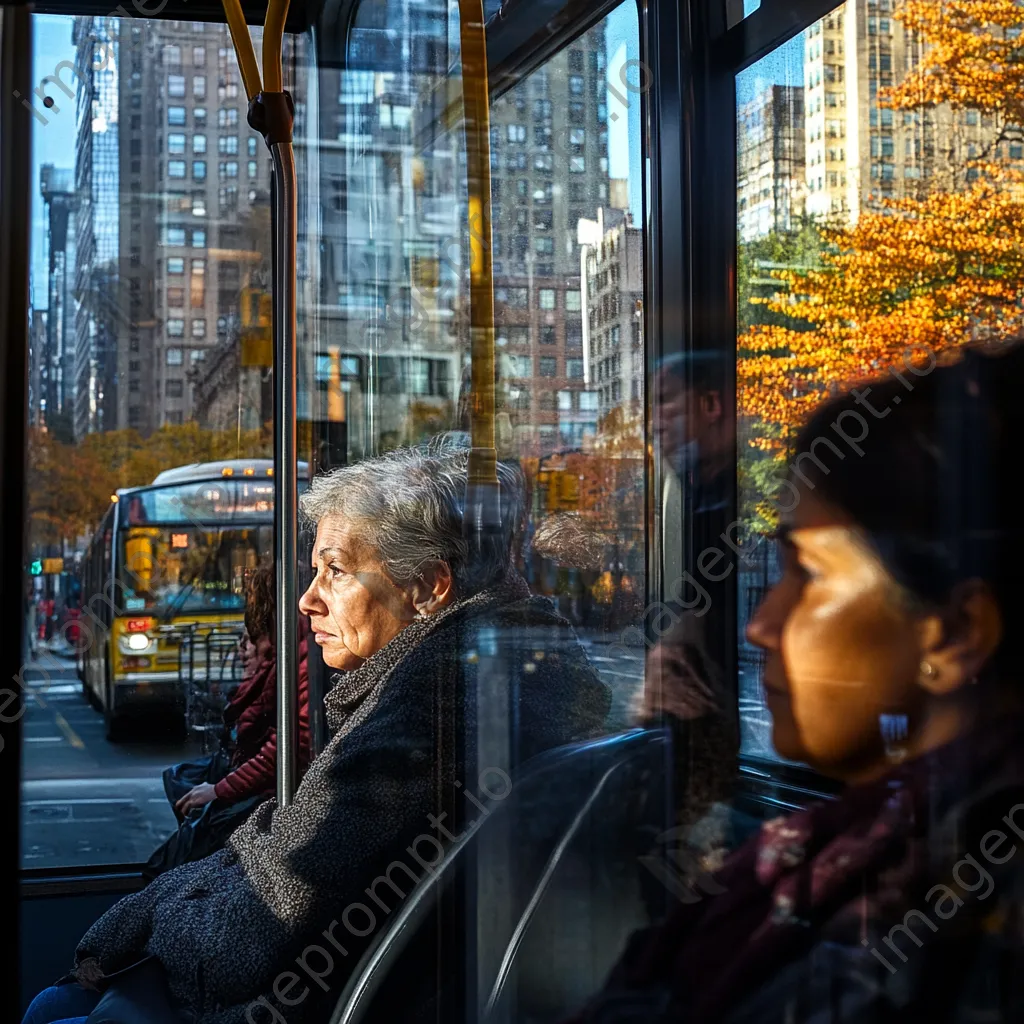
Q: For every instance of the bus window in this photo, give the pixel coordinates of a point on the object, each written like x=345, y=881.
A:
x=567, y=253
x=149, y=257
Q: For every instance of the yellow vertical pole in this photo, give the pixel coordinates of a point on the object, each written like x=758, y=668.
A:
x=476, y=101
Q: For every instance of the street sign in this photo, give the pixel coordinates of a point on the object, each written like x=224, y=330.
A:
x=53, y=566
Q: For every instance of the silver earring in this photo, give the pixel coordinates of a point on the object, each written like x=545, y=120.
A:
x=928, y=670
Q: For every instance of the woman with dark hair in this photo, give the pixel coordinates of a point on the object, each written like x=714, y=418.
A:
x=890, y=667
x=211, y=797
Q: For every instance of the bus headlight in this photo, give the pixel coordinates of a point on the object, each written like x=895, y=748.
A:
x=138, y=642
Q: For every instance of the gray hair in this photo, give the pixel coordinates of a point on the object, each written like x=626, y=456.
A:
x=409, y=505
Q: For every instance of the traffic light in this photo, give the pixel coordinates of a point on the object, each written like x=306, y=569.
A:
x=36, y=568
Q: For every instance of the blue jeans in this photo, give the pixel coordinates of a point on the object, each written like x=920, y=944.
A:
x=62, y=1004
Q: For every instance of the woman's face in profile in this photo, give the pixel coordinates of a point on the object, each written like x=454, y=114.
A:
x=353, y=606
x=841, y=648
x=246, y=651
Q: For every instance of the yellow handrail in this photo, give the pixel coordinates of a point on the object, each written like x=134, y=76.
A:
x=483, y=457
x=244, y=50
x=273, y=37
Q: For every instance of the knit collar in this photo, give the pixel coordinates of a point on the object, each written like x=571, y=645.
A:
x=349, y=688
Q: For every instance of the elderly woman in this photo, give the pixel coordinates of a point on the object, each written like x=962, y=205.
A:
x=430, y=633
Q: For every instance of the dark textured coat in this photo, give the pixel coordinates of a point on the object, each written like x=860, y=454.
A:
x=405, y=729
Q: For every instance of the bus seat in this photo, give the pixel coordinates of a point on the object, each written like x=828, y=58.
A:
x=531, y=907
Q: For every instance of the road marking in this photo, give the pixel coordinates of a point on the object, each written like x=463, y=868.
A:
x=44, y=739
x=77, y=800
x=70, y=733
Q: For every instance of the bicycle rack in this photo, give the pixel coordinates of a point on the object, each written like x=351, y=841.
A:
x=209, y=672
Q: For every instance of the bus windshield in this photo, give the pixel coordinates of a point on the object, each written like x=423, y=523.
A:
x=171, y=570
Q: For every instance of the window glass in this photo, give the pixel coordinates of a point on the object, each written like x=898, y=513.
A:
x=841, y=206
x=112, y=403
x=402, y=199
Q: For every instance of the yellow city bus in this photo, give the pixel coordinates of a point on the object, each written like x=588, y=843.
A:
x=168, y=560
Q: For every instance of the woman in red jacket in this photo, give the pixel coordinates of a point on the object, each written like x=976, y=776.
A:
x=214, y=796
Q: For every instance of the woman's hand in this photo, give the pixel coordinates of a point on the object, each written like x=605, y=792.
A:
x=198, y=796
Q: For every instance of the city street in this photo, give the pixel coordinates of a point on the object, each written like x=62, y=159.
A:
x=86, y=801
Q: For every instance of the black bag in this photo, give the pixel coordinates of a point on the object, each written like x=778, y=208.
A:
x=180, y=778
x=200, y=834
x=139, y=995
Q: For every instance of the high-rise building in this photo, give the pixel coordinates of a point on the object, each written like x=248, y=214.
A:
x=549, y=172
x=175, y=219
x=858, y=151
x=213, y=173
x=57, y=358
x=101, y=322
x=771, y=173
x=612, y=307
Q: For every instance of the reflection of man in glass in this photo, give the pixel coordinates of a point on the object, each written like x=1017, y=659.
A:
x=684, y=684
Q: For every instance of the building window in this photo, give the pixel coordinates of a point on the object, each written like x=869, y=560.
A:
x=199, y=86
x=175, y=297
x=199, y=328
x=574, y=369
x=517, y=133
x=547, y=298
x=197, y=355
x=548, y=366
x=199, y=170
x=176, y=329
x=174, y=388
x=172, y=54
x=175, y=144
x=547, y=335
x=576, y=85
x=227, y=145
x=227, y=117
x=175, y=236
x=198, y=143
x=175, y=168
x=198, y=56
x=577, y=164
x=176, y=116
x=251, y=145
x=174, y=357
x=198, y=238
x=252, y=168
x=229, y=168
x=176, y=86
x=197, y=284
x=198, y=204
x=199, y=116
x=176, y=265
x=565, y=401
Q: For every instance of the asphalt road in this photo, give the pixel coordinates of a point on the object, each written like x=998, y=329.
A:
x=85, y=801
x=89, y=802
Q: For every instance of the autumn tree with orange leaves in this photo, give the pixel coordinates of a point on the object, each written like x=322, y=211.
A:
x=912, y=276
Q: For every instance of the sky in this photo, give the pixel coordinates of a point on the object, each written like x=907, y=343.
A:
x=623, y=63
x=784, y=66
x=54, y=142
